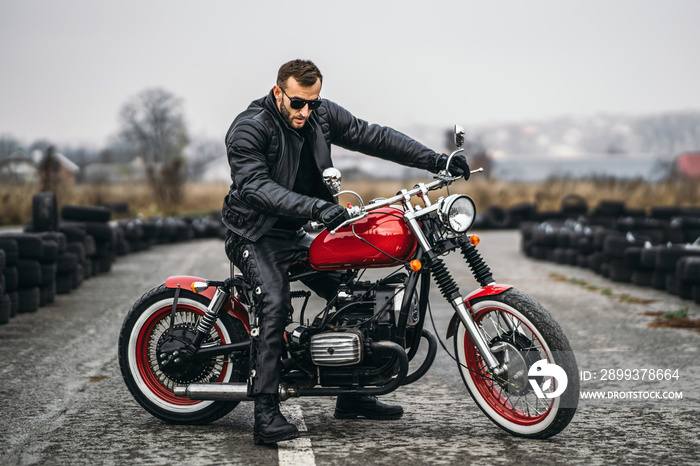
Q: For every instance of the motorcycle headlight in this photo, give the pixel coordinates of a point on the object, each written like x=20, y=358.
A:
x=457, y=212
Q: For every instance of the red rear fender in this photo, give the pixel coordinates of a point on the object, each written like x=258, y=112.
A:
x=186, y=281
x=490, y=290
x=234, y=308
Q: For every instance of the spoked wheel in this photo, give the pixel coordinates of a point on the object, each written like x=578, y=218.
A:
x=527, y=400
x=149, y=352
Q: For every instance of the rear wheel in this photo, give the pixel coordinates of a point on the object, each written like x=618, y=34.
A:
x=523, y=336
x=145, y=347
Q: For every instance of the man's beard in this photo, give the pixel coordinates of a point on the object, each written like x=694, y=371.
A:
x=287, y=115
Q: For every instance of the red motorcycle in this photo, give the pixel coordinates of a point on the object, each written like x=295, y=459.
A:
x=184, y=345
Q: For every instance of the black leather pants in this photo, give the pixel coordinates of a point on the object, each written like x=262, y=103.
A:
x=265, y=264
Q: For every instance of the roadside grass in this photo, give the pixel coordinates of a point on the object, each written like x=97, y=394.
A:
x=605, y=291
x=673, y=319
x=200, y=198
x=16, y=200
x=664, y=319
x=547, y=195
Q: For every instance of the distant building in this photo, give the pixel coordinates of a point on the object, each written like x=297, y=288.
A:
x=18, y=168
x=115, y=172
x=688, y=165
x=67, y=171
x=22, y=168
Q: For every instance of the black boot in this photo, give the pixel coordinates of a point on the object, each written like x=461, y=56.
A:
x=352, y=406
x=270, y=425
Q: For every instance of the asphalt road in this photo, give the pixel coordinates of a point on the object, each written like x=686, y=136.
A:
x=64, y=402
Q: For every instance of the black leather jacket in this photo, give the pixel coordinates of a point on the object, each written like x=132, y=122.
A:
x=263, y=152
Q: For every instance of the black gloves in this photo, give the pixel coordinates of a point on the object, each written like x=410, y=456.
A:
x=458, y=165
x=331, y=215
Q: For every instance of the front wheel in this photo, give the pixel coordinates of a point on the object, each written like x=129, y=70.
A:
x=145, y=344
x=534, y=398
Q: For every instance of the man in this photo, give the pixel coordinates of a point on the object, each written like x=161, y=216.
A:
x=277, y=150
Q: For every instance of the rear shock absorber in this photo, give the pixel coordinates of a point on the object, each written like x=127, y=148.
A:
x=481, y=271
x=210, y=316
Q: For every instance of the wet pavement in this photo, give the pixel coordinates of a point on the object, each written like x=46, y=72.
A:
x=64, y=401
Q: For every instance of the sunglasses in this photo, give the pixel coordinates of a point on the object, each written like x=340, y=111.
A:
x=297, y=104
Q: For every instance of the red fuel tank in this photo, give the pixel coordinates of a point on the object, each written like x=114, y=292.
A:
x=383, y=228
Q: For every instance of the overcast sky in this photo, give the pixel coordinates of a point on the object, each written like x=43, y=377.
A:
x=68, y=66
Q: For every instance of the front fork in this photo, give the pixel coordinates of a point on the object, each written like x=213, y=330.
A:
x=450, y=291
x=466, y=317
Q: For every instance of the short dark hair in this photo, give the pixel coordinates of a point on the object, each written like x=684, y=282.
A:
x=304, y=71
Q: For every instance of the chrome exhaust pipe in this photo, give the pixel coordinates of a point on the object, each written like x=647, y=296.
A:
x=225, y=392
x=214, y=391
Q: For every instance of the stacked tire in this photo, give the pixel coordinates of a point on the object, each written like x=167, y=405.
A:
x=9, y=300
x=133, y=235
x=211, y=226
x=54, y=244
x=688, y=273
x=55, y=254
x=624, y=245
x=29, y=262
x=26, y=270
x=96, y=246
x=73, y=261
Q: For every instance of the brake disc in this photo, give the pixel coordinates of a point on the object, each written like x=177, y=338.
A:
x=516, y=353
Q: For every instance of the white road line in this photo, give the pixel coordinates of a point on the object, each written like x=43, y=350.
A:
x=297, y=452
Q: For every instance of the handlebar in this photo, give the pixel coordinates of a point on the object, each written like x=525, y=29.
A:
x=444, y=178
x=437, y=184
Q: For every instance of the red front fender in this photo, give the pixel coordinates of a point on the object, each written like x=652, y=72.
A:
x=233, y=307
x=490, y=290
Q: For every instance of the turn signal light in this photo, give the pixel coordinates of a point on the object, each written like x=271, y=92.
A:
x=474, y=240
x=198, y=287
x=416, y=265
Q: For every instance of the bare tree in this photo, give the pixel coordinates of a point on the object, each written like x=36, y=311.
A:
x=201, y=152
x=153, y=127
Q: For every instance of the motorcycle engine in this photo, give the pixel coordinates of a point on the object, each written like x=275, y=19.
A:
x=364, y=310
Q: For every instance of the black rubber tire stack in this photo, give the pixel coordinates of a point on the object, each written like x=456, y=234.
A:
x=573, y=206
x=211, y=225
x=540, y=239
x=70, y=271
x=44, y=212
x=29, y=253
x=688, y=272
x=9, y=273
x=56, y=253
x=95, y=222
x=122, y=246
x=5, y=302
x=494, y=218
x=151, y=231
x=668, y=262
x=624, y=245
x=134, y=235
x=54, y=245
